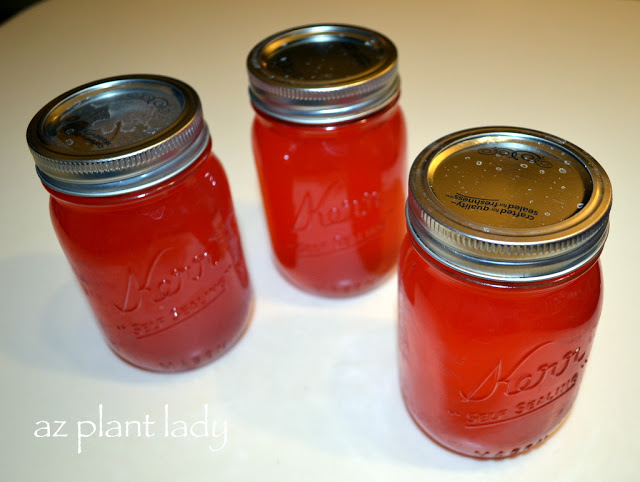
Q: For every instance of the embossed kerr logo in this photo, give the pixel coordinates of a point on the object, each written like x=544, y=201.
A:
x=202, y=277
x=531, y=372
x=334, y=206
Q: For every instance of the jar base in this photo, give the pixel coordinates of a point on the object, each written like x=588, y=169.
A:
x=196, y=361
x=347, y=289
x=487, y=454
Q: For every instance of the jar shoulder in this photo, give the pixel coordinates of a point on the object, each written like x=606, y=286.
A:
x=431, y=288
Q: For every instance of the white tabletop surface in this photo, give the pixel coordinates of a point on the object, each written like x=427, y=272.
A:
x=311, y=391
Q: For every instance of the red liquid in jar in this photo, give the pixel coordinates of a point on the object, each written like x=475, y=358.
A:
x=162, y=268
x=334, y=199
x=329, y=143
x=490, y=369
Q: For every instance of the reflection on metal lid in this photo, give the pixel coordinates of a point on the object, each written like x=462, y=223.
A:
x=322, y=74
x=117, y=135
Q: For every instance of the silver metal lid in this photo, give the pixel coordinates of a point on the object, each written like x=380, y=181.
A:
x=323, y=74
x=117, y=135
x=509, y=204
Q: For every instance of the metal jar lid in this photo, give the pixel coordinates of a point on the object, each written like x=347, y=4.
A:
x=117, y=135
x=323, y=74
x=508, y=204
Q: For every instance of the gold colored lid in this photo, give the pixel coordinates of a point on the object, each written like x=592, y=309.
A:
x=507, y=203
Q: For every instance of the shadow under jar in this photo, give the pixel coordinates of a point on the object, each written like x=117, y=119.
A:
x=143, y=212
x=329, y=142
x=500, y=287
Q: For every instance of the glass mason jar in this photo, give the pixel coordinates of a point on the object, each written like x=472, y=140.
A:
x=143, y=212
x=500, y=287
x=329, y=141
